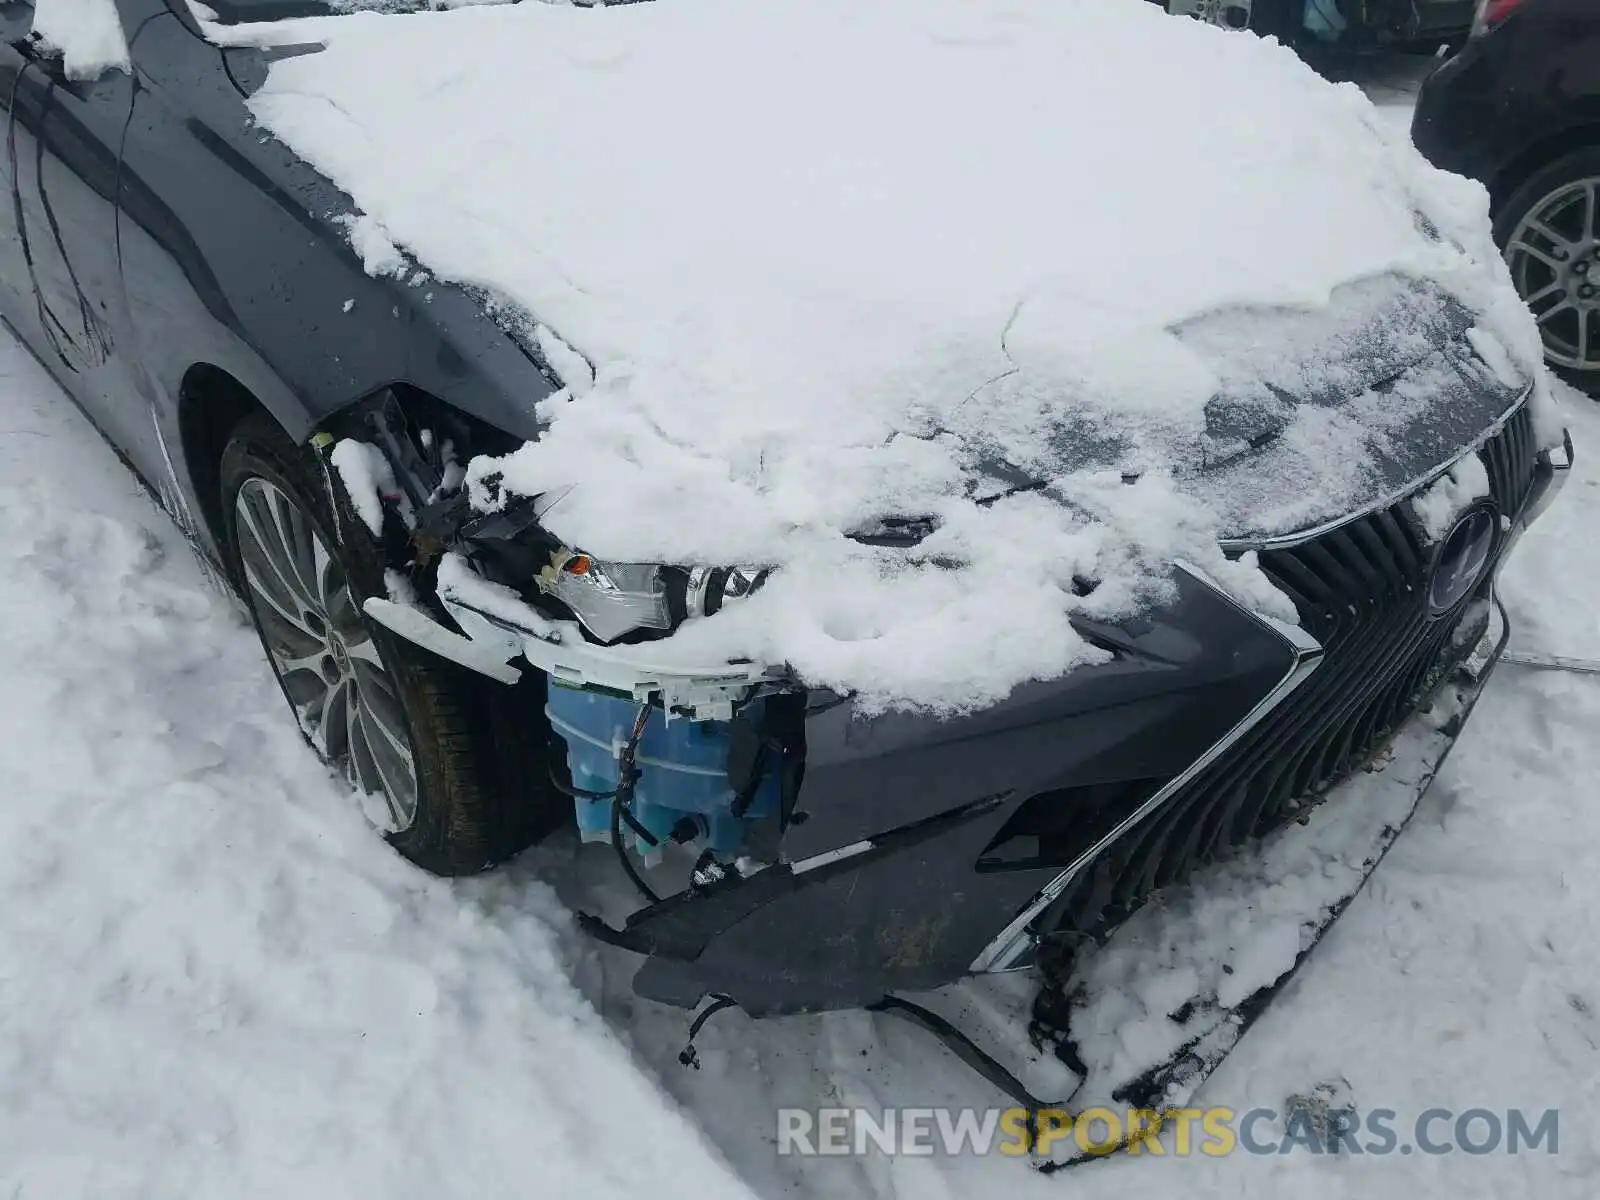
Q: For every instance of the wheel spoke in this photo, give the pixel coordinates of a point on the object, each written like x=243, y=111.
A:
x=360, y=753
x=364, y=650
x=333, y=590
x=329, y=715
x=391, y=760
x=342, y=612
x=1533, y=251
x=387, y=727
x=1590, y=201
x=288, y=664
x=1544, y=292
x=272, y=549
x=294, y=618
x=1583, y=335
x=1549, y=234
x=293, y=536
x=1564, y=306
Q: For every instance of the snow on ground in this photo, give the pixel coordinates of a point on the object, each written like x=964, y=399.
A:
x=216, y=982
x=215, y=979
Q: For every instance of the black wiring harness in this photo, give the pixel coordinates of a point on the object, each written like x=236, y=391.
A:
x=621, y=798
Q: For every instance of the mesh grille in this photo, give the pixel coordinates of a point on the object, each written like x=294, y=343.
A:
x=1361, y=591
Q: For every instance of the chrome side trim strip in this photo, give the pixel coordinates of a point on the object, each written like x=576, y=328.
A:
x=1011, y=944
x=829, y=857
x=1240, y=545
x=1555, y=479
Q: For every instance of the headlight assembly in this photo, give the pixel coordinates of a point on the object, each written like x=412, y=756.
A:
x=613, y=600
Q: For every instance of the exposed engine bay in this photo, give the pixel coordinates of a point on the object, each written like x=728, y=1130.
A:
x=701, y=763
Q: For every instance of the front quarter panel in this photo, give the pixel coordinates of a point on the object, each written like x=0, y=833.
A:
x=235, y=254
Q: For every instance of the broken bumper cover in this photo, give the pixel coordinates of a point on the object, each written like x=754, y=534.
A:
x=907, y=911
x=912, y=853
x=902, y=876
x=1147, y=1018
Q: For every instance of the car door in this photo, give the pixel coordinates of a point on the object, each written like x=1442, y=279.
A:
x=58, y=237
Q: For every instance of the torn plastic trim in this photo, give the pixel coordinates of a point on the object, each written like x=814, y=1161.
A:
x=417, y=626
x=681, y=926
x=488, y=644
x=701, y=693
x=490, y=640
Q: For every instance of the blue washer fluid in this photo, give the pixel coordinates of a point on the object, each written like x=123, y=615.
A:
x=683, y=769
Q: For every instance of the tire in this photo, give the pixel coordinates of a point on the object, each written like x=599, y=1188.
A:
x=478, y=749
x=1563, y=198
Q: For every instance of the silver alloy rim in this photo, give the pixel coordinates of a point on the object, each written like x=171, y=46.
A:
x=342, y=693
x=1554, y=256
x=1230, y=14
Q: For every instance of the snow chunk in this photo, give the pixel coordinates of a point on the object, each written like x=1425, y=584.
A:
x=1451, y=495
x=575, y=371
x=1494, y=355
x=368, y=480
x=459, y=582
x=367, y=237
x=88, y=34
x=399, y=588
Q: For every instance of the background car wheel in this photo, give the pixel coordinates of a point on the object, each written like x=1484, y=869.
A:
x=456, y=762
x=1265, y=17
x=1549, y=230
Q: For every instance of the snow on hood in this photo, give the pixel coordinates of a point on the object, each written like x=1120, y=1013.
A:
x=808, y=263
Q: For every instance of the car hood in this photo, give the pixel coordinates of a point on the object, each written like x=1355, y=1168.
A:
x=1317, y=412
x=805, y=265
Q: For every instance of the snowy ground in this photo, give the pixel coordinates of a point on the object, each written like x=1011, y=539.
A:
x=216, y=981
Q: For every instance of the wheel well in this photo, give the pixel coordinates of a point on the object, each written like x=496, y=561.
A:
x=211, y=403
x=1509, y=177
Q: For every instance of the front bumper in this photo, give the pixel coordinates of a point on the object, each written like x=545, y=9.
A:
x=886, y=887
x=916, y=851
x=1145, y=1019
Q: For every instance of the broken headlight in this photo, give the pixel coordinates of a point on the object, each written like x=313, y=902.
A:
x=613, y=600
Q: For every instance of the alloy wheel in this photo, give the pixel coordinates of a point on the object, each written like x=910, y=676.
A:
x=330, y=667
x=1230, y=14
x=1554, y=255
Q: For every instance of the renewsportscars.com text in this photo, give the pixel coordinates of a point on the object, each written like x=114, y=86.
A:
x=1214, y=1132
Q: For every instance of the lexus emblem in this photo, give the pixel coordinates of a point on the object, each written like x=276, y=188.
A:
x=1463, y=558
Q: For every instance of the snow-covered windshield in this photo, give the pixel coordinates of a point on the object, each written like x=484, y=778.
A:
x=249, y=11
x=807, y=264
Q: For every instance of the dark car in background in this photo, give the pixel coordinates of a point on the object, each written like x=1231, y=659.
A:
x=1519, y=110
x=1310, y=25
